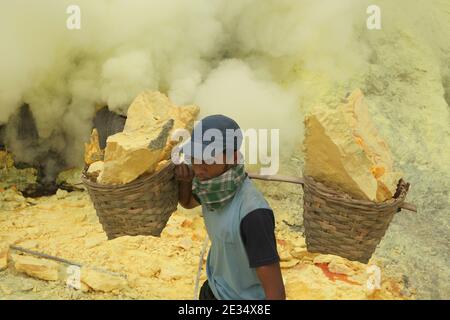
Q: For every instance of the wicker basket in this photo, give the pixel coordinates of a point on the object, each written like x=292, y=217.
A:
x=141, y=207
x=335, y=223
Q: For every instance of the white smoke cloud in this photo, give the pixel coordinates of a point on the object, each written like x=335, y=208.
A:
x=122, y=48
x=288, y=55
x=315, y=33
x=234, y=90
x=124, y=77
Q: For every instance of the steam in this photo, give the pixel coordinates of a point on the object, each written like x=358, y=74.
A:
x=234, y=90
x=263, y=62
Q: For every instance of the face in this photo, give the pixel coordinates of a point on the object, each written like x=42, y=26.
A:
x=206, y=171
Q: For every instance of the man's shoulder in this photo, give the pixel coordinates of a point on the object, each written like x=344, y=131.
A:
x=251, y=190
x=251, y=198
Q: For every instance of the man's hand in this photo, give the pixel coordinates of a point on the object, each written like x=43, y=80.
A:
x=272, y=281
x=184, y=174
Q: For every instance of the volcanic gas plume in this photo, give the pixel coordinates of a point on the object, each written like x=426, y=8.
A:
x=265, y=63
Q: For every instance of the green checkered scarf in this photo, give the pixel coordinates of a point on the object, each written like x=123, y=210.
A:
x=216, y=192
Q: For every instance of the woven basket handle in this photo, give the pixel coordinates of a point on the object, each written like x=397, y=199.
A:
x=296, y=180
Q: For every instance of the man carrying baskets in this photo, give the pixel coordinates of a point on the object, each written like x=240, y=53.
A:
x=243, y=262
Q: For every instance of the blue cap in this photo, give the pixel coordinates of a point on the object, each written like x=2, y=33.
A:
x=219, y=132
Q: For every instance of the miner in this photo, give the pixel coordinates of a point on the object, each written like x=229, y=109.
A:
x=243, y=262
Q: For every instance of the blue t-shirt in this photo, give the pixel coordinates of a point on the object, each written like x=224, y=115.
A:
x=234, y=253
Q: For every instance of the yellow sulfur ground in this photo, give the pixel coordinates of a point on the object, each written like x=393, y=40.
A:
x=65, y=225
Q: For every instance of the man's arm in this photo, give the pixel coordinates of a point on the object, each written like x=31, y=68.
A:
x=258, y=236
x=184, y=174
x=272, y=281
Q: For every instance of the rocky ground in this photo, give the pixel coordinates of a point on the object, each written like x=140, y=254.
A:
x=144, y=267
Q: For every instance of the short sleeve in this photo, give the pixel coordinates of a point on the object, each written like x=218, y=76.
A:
x=258, y=235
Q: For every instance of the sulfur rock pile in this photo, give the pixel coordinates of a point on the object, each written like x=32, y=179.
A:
x=144, y=145
x=343, y=149
x=12, y=177
x=150, y=267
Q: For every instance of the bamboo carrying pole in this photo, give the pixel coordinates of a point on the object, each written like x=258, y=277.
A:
x=44, y=255
x=296, y=180
x=61, y=260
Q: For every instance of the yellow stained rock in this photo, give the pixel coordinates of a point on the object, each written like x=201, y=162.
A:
x=131, y=153
x=37, y=268
x=172, y=231
x=284, y=254
x=6, y=160
x=339, y=265
x=289, y=264
x=96, y=167
x=343, y=149
x=150, y=108
x=69, y=177
x=28, y=244
x=102, y=281
x=185, y=243
x=84, y=287
x=61, y=194
x=309, y=283
x=149, y=270
x=145, y=144
x=3, y=256
x=171, y=271
x=94, y=241
x=159, y=267
x=184, y=119
x=341, y=268
x=92, y=150
x=299, y=252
